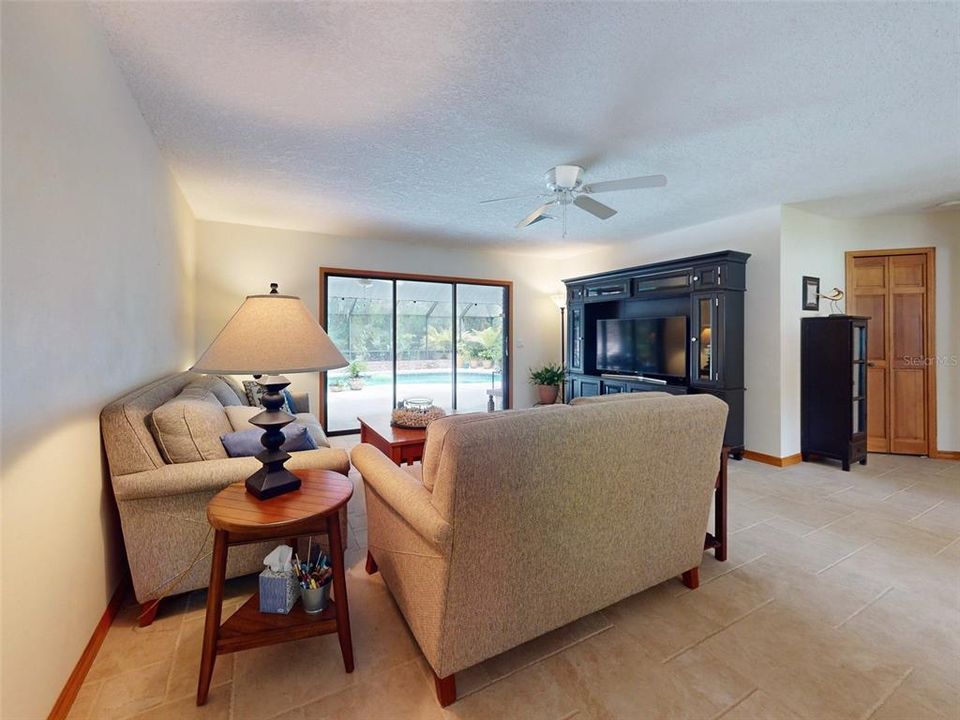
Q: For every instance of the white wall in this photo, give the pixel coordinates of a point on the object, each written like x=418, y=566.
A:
x=97, y=298
x=815, y=245
x=238, y=260
x=757, y=233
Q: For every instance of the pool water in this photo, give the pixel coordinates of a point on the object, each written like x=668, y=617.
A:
x=432, y=378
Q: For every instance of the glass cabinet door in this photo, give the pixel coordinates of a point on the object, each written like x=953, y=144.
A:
x=576, y=337
x=859, y=380
x=705, y=324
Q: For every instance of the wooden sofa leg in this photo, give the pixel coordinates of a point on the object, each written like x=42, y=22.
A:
x=691, y=578
x=446, y=689
x=371, y=564
x=148, y=611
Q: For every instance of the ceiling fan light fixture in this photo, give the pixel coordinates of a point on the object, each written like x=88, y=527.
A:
x=564, y=177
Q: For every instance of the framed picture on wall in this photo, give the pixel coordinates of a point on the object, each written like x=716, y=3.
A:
x=811, y=293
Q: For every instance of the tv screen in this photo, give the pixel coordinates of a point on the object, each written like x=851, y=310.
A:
x=650, y=346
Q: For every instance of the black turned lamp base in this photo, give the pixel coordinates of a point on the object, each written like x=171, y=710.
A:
x=273, y=478
x=265, y=484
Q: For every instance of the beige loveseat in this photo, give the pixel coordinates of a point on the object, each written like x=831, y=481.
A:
x=526, y=520
x=163, y=505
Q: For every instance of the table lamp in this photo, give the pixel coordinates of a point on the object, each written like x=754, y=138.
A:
x=269, y=335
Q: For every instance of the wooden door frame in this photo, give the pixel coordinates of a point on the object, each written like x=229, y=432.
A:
x=325, y=272
x=930, y=340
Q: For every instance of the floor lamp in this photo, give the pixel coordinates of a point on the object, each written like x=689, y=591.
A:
x=560, y=300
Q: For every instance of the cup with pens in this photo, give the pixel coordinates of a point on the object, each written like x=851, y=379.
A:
x=314, y=579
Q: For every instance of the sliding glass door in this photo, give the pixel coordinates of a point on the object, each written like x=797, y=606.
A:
x=481, y=356
x=413, y=337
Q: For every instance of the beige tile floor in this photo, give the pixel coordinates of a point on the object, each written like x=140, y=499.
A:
x=840, y=599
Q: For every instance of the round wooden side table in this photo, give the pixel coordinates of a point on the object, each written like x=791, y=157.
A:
x=239, y=518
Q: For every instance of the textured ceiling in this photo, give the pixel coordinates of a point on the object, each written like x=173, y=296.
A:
x=393, y=120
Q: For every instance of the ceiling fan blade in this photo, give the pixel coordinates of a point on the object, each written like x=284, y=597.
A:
x=636, y=183
x=593, y=207
x=542, y=217
x=512, y=197
x=535, y=215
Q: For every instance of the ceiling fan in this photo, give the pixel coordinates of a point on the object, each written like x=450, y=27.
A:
x=565, y=186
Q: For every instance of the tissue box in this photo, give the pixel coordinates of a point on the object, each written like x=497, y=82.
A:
x=278, y=591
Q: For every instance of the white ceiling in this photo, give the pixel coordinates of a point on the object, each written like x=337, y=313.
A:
x=393, y=120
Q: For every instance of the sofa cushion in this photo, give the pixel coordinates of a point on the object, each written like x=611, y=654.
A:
x=188, y=427
x=215, y=384
x=245, y=443
x=240, y=420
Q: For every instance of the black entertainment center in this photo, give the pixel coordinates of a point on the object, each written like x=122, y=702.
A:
x=673, y=326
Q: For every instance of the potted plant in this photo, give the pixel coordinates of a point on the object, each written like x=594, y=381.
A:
x=356, y=369
x=338, y=385
x=547, y=380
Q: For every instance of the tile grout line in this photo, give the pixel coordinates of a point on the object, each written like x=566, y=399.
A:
x=736, y=704
x=886, y=696
x=869, y=603
x=759, y=522
x=947, y=546
x=898, y=492
x=735, y=567
x=702, y=640
x=845, y=557
x=832, y=522
x=929, y=509
x=849, y=487
x=725, y=572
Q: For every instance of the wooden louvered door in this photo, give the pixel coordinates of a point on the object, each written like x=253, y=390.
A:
x=895, y=290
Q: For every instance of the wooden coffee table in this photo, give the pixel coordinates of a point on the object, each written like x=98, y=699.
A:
x=239, y=518
x=402, y=445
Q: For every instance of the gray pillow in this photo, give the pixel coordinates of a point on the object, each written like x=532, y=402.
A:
x=244, y=443
x=223, y=392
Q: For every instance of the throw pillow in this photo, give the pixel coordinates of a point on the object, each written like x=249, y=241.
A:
x=188, y=427
x=245, y=443
x=239, y=418
x=235, y=386
x=254, y=391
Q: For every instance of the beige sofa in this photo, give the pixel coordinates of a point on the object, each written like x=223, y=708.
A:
x=526, y=520
x=163, y=505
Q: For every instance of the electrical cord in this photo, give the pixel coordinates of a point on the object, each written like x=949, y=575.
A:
x=171, y=583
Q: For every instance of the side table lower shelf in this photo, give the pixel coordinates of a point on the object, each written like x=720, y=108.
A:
x=249, y=628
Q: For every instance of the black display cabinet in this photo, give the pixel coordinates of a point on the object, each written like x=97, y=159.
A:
x=833, y=388
x=708, y=290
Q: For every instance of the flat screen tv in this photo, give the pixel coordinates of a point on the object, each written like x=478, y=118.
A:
x=647, y=346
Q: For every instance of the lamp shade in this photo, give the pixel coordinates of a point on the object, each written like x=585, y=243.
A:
x=560, y=300
x=270, y=335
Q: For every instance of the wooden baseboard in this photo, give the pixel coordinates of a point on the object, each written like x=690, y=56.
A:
x=61, y=708
x=947, y=455
x=772, y=459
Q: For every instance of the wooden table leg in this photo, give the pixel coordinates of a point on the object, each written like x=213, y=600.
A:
x=340, y=590
x=211, y=628
x=720, y=509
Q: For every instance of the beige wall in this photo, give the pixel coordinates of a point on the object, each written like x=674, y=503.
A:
x=757, y=233
x=97, y=298
x=238, y=260
x=815, y=245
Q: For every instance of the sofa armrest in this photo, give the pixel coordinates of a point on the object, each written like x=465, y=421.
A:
x=214, y=475
x=404, y=493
